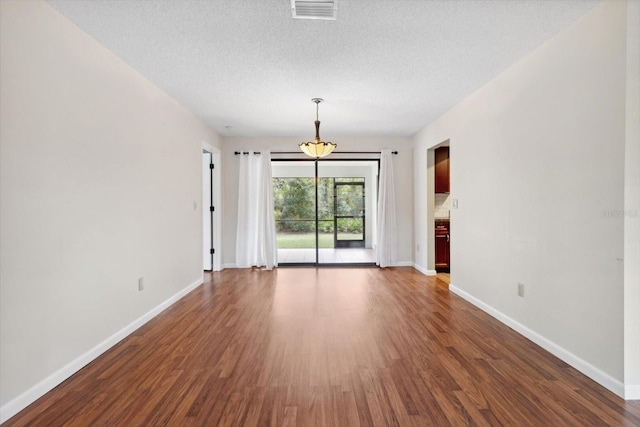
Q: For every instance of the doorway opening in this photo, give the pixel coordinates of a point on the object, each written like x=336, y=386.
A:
x=440, y=205
x=349, y=217
x=325, y=211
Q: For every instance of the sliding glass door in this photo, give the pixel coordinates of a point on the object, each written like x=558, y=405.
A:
x=325, y=211
x=294, y=202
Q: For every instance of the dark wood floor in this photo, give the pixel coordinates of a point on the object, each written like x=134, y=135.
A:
x=327, y=347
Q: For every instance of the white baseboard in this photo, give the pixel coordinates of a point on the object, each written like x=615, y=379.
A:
x=16, y=405
x=581, y=365
x=632, y=392
x=229, y=265
x=424, y=271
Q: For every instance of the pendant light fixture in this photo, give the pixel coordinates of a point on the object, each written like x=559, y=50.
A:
x=317, y=148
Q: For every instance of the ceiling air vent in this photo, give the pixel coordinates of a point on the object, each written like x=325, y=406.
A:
x=318, y=9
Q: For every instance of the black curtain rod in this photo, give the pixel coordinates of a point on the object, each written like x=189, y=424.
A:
x=335, y=152
x=300, y=152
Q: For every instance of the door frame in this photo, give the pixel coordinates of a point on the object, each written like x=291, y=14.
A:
x=316, y=162
x=348, y=243
x=215, y=200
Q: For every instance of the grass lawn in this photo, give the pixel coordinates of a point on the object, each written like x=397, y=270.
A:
x=308, y=240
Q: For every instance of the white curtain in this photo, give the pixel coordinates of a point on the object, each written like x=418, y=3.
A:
x=386, y=248
x=256, y=232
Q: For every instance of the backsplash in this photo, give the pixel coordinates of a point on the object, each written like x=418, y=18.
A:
x=442, y=205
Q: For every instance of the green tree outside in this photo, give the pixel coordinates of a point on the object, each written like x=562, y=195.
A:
x=294, y=209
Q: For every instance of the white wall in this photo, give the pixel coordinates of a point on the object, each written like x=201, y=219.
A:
x=632, y=208
x=538, y=157
x=403, y=168
x=99, y=172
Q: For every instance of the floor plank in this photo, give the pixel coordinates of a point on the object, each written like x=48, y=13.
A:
x=326, y=347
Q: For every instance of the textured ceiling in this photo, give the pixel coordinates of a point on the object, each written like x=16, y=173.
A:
x=384, y=67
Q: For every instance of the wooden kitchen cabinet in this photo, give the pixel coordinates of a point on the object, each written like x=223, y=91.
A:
x=442, y=170
x=442, y=234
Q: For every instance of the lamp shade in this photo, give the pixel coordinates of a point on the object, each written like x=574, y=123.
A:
x=317, y=149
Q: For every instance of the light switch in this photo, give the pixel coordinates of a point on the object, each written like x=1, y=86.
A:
x=455, y=203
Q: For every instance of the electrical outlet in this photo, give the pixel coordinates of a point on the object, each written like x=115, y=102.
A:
x=521, y=290
x=141, y=284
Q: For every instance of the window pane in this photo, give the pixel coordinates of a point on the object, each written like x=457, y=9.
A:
x=294, y=210
x=325, y=198
x=350, y=229
x=349, y=200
